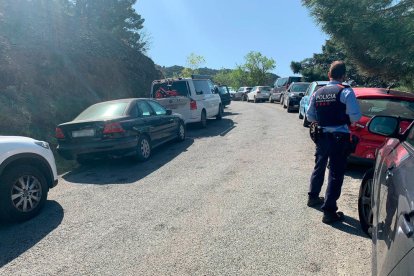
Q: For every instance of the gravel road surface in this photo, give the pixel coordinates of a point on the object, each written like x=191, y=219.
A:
x=229, y=200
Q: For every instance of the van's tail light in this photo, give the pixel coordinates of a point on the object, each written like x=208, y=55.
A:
x=59, y=133
x=193, y=105
x=113, y=128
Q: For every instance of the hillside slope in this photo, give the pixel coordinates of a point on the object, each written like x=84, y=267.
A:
x=50, y=71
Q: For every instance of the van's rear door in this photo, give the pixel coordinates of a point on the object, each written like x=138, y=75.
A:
x=173, y=95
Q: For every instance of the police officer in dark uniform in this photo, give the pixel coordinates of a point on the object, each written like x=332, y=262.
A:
x=333, y=107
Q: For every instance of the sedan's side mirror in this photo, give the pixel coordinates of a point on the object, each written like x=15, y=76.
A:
x=301, y=94
x=169, y=112
x=215, y=91
x=385, y=126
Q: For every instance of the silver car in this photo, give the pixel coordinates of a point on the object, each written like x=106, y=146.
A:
x=241, y=94
x=259, y=94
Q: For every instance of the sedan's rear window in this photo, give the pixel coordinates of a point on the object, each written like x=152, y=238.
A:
x=103, y=111
x=388, y=107
x=299, y=87
x=165, y=90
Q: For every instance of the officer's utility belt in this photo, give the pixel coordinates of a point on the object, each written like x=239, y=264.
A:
x=316, y=132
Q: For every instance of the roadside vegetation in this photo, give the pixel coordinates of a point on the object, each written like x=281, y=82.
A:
x=255, y=69
x=375, y=38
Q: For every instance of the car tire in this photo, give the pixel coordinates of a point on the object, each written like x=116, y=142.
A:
x=365, y=202
x=14, y=197
x=203, y=121
x=300, y=115
x=306, y=123
x=181, y=132
x=219, y=116
x=143, y=151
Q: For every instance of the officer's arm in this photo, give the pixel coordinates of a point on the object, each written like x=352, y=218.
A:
x=311, y=112
x=352, y=107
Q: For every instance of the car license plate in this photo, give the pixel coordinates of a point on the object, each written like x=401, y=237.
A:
x=83, y=133
x=296, y=105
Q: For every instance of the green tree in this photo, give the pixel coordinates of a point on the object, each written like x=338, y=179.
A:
x=194, y=62
x=223, y=77
x=378, y=36
x=115, y=16
x=317, y=67
x=257, y=67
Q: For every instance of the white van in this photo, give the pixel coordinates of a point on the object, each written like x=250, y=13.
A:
x=194, y=98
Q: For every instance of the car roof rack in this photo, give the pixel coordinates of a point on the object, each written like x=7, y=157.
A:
x=201, y=77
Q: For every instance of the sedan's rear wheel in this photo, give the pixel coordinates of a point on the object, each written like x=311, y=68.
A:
x=23, y=193
x=143, y=152
x=365, y=203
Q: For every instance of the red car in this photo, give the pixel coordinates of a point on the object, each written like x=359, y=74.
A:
x=378, y=101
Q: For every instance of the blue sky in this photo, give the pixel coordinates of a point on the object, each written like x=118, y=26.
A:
x=224, y=31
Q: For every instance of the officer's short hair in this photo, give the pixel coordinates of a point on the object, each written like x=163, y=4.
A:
x=337, y=69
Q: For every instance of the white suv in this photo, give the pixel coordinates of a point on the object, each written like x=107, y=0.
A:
x=195, y=98
x=27, y=172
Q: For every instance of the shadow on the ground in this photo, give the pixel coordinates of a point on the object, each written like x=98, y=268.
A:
x=214, y=128
x=126, y=170
x=349, y=225
x=356, y=171
x=15, y=239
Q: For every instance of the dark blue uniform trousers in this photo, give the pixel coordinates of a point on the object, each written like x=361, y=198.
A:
x=332, y=146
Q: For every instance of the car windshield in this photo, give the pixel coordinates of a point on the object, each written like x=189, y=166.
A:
x=300, y=87
x=264, y=89
x=283, y=82
x=103, y=111
x=388, y=107
x=165, y=90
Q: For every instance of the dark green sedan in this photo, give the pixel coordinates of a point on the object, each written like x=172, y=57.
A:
x=126, y=127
